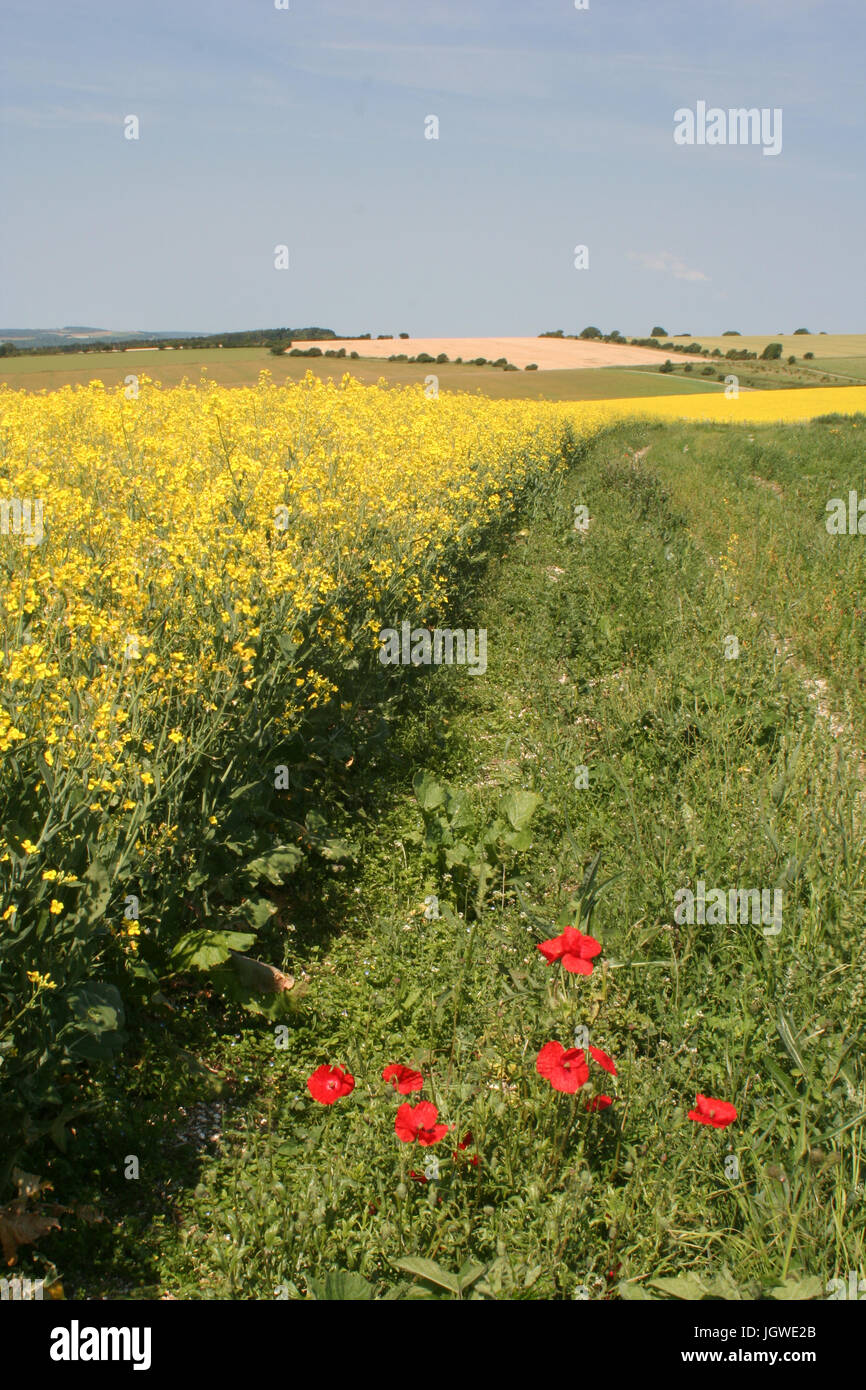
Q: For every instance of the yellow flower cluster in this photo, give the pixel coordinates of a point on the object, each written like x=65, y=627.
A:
x=40, y=981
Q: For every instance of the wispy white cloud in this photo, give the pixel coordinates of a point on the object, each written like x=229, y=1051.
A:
x=666, y=262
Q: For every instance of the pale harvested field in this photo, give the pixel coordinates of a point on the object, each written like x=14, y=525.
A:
x=549, y=354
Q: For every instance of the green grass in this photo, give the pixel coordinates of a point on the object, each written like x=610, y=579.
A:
x=767, y=376
x=606, y=650
x=241, y=367
x=852, y=367
x=610, y=383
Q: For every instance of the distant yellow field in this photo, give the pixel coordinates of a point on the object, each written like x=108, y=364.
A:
x=793, y=344
x=750, y=407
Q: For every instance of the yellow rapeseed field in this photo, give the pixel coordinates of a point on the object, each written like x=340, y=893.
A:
x=212, y=560
x=749, y=407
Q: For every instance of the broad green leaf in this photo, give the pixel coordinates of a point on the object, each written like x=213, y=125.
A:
x=799, y=1289
x=725, y=1286
x=519, y=807
x=428, y=791
x=459, y=811
x=96, y=1008
x=276, y=865
x=272, y=1006
x=332, y=847
x=685, y=1286
x=319, y=834
x=342, y=1287
x=99, y=1016
x=429, y=1270
x=199, y=950
x=258, y=911
x=469, y=1272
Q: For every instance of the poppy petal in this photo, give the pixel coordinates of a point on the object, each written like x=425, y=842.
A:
x=551, y=950
x=603, y=1059
x=576, y=965
x=548, y=1058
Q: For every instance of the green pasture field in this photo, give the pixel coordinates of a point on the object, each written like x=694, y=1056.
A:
x=642, y=750
x=853, y=367
x=765, y=376
x=241, y=367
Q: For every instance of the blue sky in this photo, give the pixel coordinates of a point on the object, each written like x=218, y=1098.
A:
x=305, y=127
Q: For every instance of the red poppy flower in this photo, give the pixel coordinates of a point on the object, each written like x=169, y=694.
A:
x=419, y=1122
x=565, y=1068
x=573, y=950
x=328, y=1084
x=710, y=1111
x=602, y=1059
x=464, y=1144
x=419, y=1177
x=403, y=1079
x=599, y=1102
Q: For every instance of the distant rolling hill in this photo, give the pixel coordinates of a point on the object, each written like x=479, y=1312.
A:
x=73, y=333
x=73, y=336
